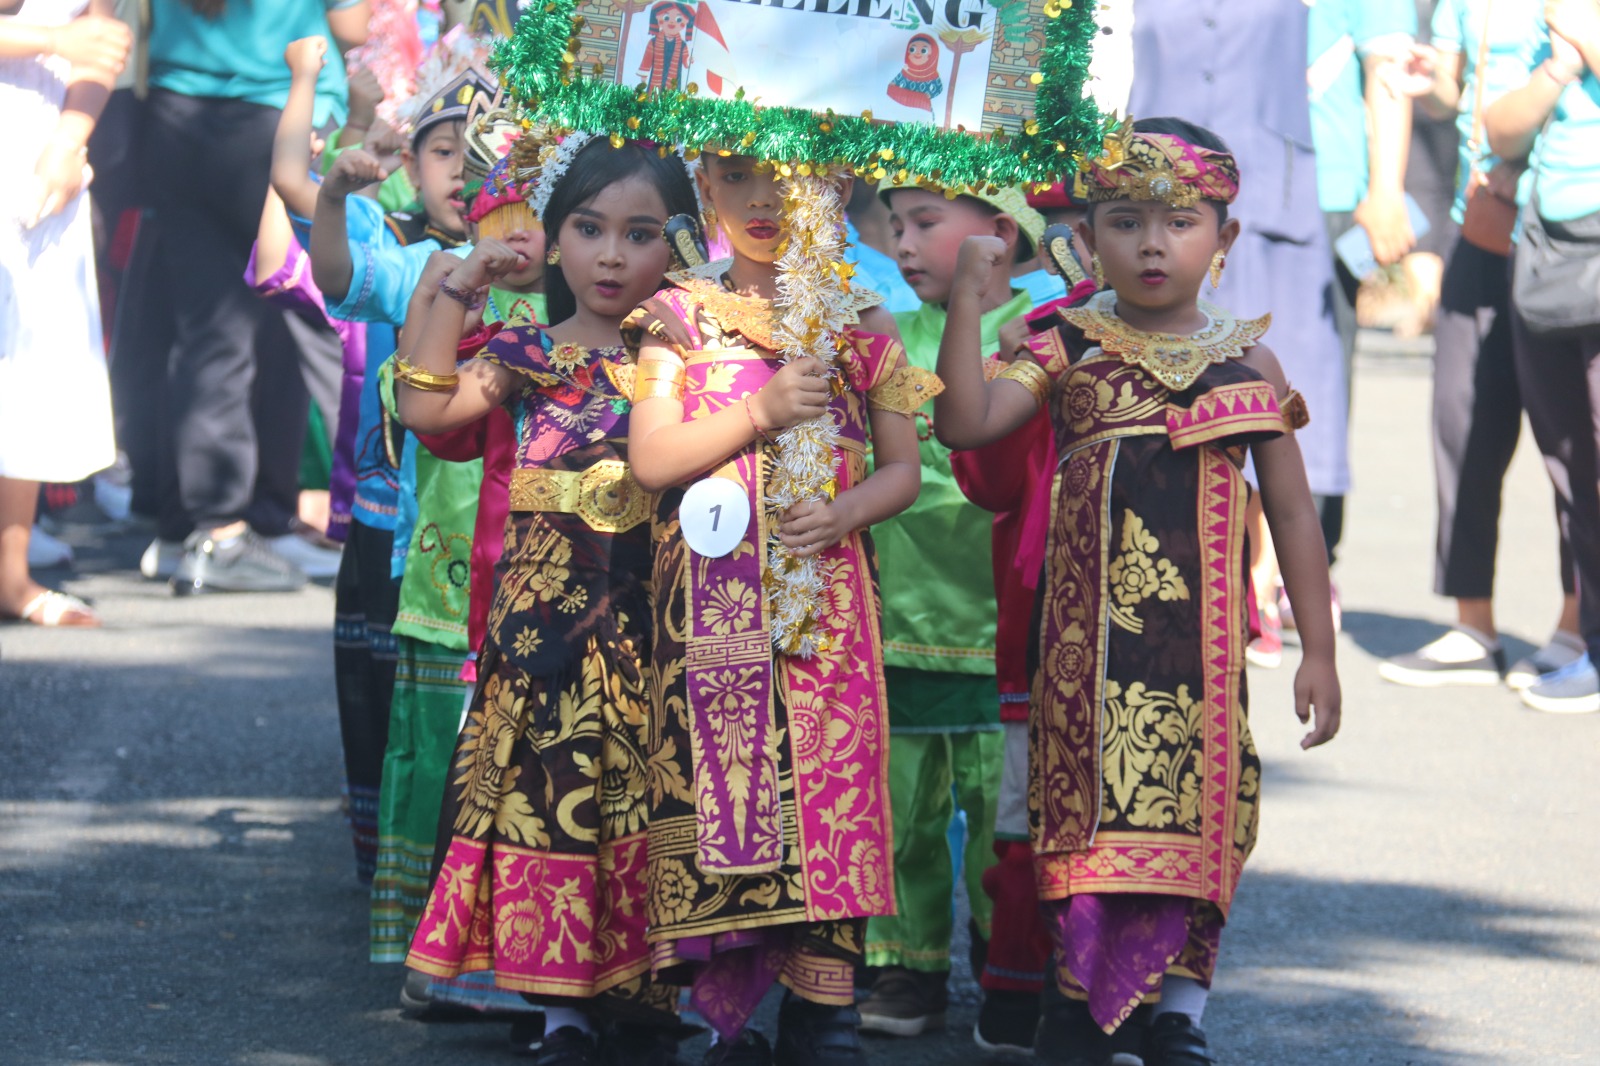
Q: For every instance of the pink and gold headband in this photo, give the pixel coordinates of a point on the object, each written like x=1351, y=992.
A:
x=1160, y=167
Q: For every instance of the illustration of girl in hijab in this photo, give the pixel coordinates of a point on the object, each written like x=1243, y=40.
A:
x=667, y=54
x=918, y=81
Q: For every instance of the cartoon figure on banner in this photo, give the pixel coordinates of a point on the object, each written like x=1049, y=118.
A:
x=918, y=81
x=666, y=57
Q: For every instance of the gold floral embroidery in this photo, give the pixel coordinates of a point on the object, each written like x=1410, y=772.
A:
x=1134, y=575
x=528, y=641
x=672, y=891
x=1149, y=750
x=1092, y=400
x=568, y=357
x=866, y=875
x=485, y=756
x=729, y=608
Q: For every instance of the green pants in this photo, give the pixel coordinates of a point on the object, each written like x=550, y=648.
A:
x=923, y=767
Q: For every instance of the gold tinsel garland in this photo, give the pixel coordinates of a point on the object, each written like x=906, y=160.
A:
x=812, y=314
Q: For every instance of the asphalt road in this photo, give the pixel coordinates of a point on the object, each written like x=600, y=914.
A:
x=176, y=884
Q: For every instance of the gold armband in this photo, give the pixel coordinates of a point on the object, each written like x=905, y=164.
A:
x=658, y=378
x=421, y=379
x=905, y=390
x=1029, y=375
x=1295, y=413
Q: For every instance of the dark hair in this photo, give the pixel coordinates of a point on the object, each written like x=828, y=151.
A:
x=595, y=168
x=683, y=9
x=1196, y=135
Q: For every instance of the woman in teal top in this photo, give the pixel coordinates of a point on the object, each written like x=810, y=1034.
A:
x=1477, y=405
x=218, y=82
x=1554, y=119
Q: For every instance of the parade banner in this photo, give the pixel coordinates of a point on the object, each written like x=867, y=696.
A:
x=963, y=92
x=946, y=62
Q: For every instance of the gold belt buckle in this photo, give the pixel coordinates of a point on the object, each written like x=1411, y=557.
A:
x=609, y=499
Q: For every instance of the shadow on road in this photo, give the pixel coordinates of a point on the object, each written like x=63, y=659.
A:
x=177, y=887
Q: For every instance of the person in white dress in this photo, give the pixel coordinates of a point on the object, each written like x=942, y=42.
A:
x=58, y=61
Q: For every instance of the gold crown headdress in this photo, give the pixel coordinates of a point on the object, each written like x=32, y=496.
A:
x=1159, y=167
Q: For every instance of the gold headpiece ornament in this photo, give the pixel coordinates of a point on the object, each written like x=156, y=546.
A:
x=1159, y=167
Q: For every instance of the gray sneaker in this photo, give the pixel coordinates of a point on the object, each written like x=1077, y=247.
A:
x=243, y=563
x=1462, y=656
x=1573, y=689
x=1562, y=649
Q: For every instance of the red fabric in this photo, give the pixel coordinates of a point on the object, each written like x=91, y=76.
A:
x=1019, y=942
x=494, y=440
x=1011, y=477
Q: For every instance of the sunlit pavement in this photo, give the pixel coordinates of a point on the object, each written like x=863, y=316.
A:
x=176, y=884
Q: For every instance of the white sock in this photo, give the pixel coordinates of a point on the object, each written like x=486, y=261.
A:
x=1182, y=995
x=566, y=1018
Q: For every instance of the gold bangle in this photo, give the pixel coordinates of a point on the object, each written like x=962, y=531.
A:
x=1029, y=375
x=421, y=379
x=658, y=379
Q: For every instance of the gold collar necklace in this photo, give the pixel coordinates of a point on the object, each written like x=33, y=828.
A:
x=1173, y=359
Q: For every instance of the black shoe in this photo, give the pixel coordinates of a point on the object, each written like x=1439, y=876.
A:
x=815, y=1034
x=905, y=1002
x=527, y=1034
x=1174, y=1040
x=1007, y=1023
x=568, y=1047
x=242, y=563
x=1129, y=1038
x=1068, y=1035
x=629, y=1044
x=751, y=1049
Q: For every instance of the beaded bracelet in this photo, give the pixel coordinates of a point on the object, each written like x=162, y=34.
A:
x=751, y=415
x=465, y=297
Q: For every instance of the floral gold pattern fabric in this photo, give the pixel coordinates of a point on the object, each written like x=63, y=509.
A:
x=543, y=875
x=782, y=842
x=1145, y=779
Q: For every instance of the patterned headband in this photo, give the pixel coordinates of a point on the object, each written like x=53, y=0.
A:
x=1159, y=166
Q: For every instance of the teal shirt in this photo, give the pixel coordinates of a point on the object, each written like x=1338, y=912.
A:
x=934, y=557
x=1342, y=33
x=1513, y=41
x=239, y=54
x=1566, y=159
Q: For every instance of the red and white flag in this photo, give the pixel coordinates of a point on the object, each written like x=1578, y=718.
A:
x=712, y=54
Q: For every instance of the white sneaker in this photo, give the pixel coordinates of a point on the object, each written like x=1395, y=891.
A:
x=45, y=551
x=315, y=555
x=161, y=559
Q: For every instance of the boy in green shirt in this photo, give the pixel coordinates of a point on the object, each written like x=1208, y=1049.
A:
x=939, y=635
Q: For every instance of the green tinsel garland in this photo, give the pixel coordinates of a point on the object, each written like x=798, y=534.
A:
x=539, y=67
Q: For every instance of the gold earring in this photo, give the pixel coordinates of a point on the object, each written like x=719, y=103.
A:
x=553, y=257
x=1099, y=271
x=708, y=219
x=1218, y=261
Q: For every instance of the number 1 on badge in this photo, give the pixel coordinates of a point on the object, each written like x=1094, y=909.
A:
x=705, y=504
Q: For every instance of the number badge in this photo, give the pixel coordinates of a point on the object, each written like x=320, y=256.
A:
x=714, y=514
